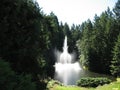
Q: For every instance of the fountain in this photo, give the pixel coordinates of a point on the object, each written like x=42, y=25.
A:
x=66, y=71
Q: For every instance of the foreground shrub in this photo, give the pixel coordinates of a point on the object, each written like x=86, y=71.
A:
x=92, y=82
x=51, y=83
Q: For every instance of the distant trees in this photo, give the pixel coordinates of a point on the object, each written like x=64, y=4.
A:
x=98, y=42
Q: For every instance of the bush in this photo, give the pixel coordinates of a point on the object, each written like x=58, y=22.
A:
x=92, y=82
x=51, y=83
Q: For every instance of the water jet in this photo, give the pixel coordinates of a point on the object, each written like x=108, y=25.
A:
x=66, y=71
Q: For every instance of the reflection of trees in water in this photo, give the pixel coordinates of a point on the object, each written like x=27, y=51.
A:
x=87, y=73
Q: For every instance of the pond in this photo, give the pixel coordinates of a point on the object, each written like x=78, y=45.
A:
x=84, y=73
x=87, y=73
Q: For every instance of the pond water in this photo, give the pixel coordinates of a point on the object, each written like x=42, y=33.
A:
x=87, y=73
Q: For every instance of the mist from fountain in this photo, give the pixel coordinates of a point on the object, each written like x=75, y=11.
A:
x=66, y=71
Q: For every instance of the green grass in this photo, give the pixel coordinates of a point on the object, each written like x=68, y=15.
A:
x=70, y=88
x=111, y=86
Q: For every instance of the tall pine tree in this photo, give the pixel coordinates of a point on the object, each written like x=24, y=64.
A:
x=115, y=63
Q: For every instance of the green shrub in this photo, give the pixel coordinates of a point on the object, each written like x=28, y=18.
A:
x=51, y=83
x=92, y=82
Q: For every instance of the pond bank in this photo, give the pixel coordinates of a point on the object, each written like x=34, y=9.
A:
x=112, y=86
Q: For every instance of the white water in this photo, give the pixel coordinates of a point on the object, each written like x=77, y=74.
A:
x=66, y=71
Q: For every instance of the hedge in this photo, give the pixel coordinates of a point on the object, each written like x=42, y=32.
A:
x=92, y=82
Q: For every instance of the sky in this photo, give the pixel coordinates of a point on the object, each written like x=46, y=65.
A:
x=75, y=11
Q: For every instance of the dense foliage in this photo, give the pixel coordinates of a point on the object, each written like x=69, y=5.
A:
x=115, y=63
x=9, y=80
x=98, y=42
x=52, y=83
x=92, y=82
x=28, y=38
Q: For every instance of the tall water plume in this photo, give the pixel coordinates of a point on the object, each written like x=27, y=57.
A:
x=66, y=71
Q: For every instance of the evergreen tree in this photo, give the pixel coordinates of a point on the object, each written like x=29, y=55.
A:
x=117, y=10
x=97, y=41
x=115, y=63
x=20, y=31
x=10, y=81
x=84, y=43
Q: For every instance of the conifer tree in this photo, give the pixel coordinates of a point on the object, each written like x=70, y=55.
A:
x=115, y=63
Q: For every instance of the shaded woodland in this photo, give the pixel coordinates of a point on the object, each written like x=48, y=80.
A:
x=28, y=38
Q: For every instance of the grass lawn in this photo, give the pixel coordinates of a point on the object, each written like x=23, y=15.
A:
x=69, y=88
x=111, y=86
